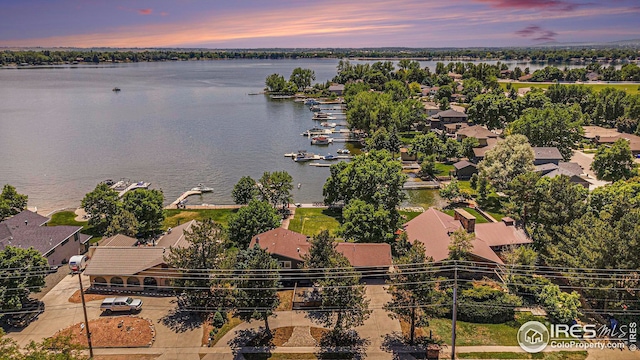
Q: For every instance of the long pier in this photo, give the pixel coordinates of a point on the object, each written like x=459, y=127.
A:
x=414, y=185
x=184, y=195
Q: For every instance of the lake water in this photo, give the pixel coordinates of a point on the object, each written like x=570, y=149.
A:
x=174, y=124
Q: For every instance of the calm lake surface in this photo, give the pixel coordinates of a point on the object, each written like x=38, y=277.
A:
x=174, y=124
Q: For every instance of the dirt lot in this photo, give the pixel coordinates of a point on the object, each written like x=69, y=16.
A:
x=121, y=331
x=75, y=298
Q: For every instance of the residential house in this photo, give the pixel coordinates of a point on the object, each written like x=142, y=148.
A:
x=447, y=117
x=336, y=89
x=464, y=169
x=605, y=136
x=431, y=108
x=546, y=155
x=479, y=152
x=290, y=247
x=479, y=132
x=433, y=228
x=526, y=77
x=458, y=98
x=28, y=229
x=570, y=169
x=452, y=129
x=120, y=263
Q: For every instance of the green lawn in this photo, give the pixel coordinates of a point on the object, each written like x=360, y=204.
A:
x=410, y=215
x=559, y=355
x=629, y=88
x=466, y=185
x=68, y=218
x=174, y=217
x=494, y=206
x=443, y=169
x=310, y=221
x=479, y=218
x=472, y=334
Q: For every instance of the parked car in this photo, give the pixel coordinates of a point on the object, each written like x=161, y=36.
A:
x=120, y=304
x=29, y=312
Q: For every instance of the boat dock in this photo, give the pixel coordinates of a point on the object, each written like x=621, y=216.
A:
x=320, y=165
x=416, y=185
x=182, y=197
x=330, y=102
x=134, y=186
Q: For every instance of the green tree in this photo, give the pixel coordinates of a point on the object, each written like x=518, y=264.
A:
x=552, y=126
x=146, y=206
x=256, y=281
x=11, y=202
x=22, y=271
x=492, y=110
x=451, y=192
x=124, y=222
x=384, y=140
x=375, y=178
x=302, y=77
x=426, y=144
x=244, y=191
x=452, y=148
x=413, y=291
x=275, y=83
x=483, y=190
x=428, y=167
x=614, y=162
x=523, y=196
x=563, y=307
x=251, y=220
x=467, y=146
x=275, y=188
x=344, y=305
x=370, y=110
x=206, y=249
x=461, y=244
x=508, y=159
x=102, y=204
x=364, y=223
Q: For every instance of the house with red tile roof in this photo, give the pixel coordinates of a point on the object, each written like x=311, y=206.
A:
x=433, y=228
x=290, y=247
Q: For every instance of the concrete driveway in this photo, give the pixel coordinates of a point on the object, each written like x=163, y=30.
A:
x=172, y=333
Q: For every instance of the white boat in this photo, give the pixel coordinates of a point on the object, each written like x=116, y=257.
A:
x=329, y=157
x=328, y=124
x=202, y=188
x=311, y=101
x=323, y=116
x=314, y=108
x=343, y=151
x=317, y=131
x=321, y=140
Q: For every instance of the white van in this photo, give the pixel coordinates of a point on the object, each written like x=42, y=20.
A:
x=77, y=263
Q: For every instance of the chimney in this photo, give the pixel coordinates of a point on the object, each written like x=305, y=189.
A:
x=26, y=222
x=308, y=238
x=257, y=240
x=467, y=220
x=508, y=221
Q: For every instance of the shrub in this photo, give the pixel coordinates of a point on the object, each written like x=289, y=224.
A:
x=484, y=304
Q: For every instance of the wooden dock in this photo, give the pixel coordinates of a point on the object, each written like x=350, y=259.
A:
x=416, y=185
x=134, y=186
x=184, y=195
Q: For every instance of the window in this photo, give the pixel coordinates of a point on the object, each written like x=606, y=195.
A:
x=285, y=264
x=76, y=237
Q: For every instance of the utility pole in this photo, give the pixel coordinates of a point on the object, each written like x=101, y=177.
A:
x=86, y=321
x=454, y=312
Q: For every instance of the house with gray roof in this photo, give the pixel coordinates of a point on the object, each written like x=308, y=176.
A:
x=29, y=230
x=439, y=120
x=570, y=169
x=546, y=155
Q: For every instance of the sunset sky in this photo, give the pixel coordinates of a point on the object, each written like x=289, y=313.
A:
x=314, y=23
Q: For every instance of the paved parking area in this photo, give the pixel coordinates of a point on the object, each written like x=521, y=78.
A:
x=171, y=333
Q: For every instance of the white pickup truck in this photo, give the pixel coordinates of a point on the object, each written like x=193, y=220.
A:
x=110, y=305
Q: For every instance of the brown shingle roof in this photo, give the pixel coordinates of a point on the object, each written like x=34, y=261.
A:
x=546, y=153
x=477, y=132
x=124, y=260
x=463, y=164
x=118, y=240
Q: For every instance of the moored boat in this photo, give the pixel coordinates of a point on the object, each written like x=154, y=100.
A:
x=202, y=188
x=321, y=140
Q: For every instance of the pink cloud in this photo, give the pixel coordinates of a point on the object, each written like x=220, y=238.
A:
x=537, y=33
x=145, y=11
x=558, y=5
x=164, y=13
